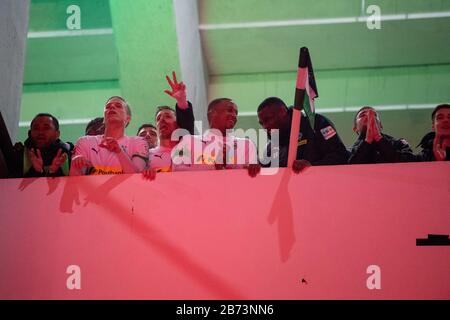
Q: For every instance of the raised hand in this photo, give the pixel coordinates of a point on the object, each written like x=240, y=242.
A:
x=370, y=127
x=178, y=91
x=79, y=162
x=57, y=161
x=36, y=160
x=253, y=169
x=300, y=165
x=110, y=144
x=149, y=174
x=440, y=145
x=376, y=130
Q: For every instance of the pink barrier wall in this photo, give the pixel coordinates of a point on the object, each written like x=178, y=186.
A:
x=224, y=235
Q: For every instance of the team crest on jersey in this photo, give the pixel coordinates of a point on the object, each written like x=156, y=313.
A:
x=328, y=132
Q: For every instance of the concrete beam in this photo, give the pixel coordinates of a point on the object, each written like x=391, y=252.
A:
x=192, y=63
x=13, y=36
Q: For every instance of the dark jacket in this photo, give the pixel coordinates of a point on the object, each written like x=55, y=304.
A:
x=321, y=146
x=48, y=155
x=387, y=150
x=185, y=118
x=426, y=154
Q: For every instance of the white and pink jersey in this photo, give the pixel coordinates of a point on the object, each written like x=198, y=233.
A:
x=196, y=152
x=105, y=161
x=160, y=159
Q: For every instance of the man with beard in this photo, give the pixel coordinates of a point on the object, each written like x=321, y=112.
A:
x=44, y=153
x=184, y=114
x=319, y=146
x=160, y=158
x=373, y=146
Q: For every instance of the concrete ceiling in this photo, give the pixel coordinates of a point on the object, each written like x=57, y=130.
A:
x=54, y=56
x=263, y=36
x=251, y=51
x=242, y=37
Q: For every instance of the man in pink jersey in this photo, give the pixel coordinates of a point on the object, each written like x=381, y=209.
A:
x=112, y=152
x=160, y=157
x=167, y=121
x=218, y=148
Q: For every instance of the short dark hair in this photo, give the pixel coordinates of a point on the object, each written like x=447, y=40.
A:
x=361, y=109
x=127, y=106
x=439, y=107
x=161, y=108
x=94, y=123
x=54, y=120
x=271, y=101
x=215, y=102
x=145, y=125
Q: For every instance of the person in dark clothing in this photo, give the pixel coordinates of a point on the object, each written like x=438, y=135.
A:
x=319, y=146
x=44, y=154
x=436, y=144
x=373, y=146
x=185, y=117
x=95, y=127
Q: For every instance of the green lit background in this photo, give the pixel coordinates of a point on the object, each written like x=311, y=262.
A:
x=406, y=63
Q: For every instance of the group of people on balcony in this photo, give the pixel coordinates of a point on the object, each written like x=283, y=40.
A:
x=171, y=145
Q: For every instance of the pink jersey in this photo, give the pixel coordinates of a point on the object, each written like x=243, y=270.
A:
x=160, y=159
x=203, y=152
x=105, y=161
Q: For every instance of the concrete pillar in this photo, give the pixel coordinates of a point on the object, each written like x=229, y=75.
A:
x=146, y=43
x=193, y=66
x=13, y=37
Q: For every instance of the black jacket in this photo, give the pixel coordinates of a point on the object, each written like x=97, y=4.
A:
x=426, y=154
x=387, y=150
x=185, y=118
x=47, y=156
x=321, y=146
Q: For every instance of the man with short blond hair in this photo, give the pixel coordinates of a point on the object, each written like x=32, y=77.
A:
x=112, y=152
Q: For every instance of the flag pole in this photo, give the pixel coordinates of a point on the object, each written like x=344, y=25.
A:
x=298, y=105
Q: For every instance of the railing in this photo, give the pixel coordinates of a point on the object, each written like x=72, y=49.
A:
x=332, y=232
